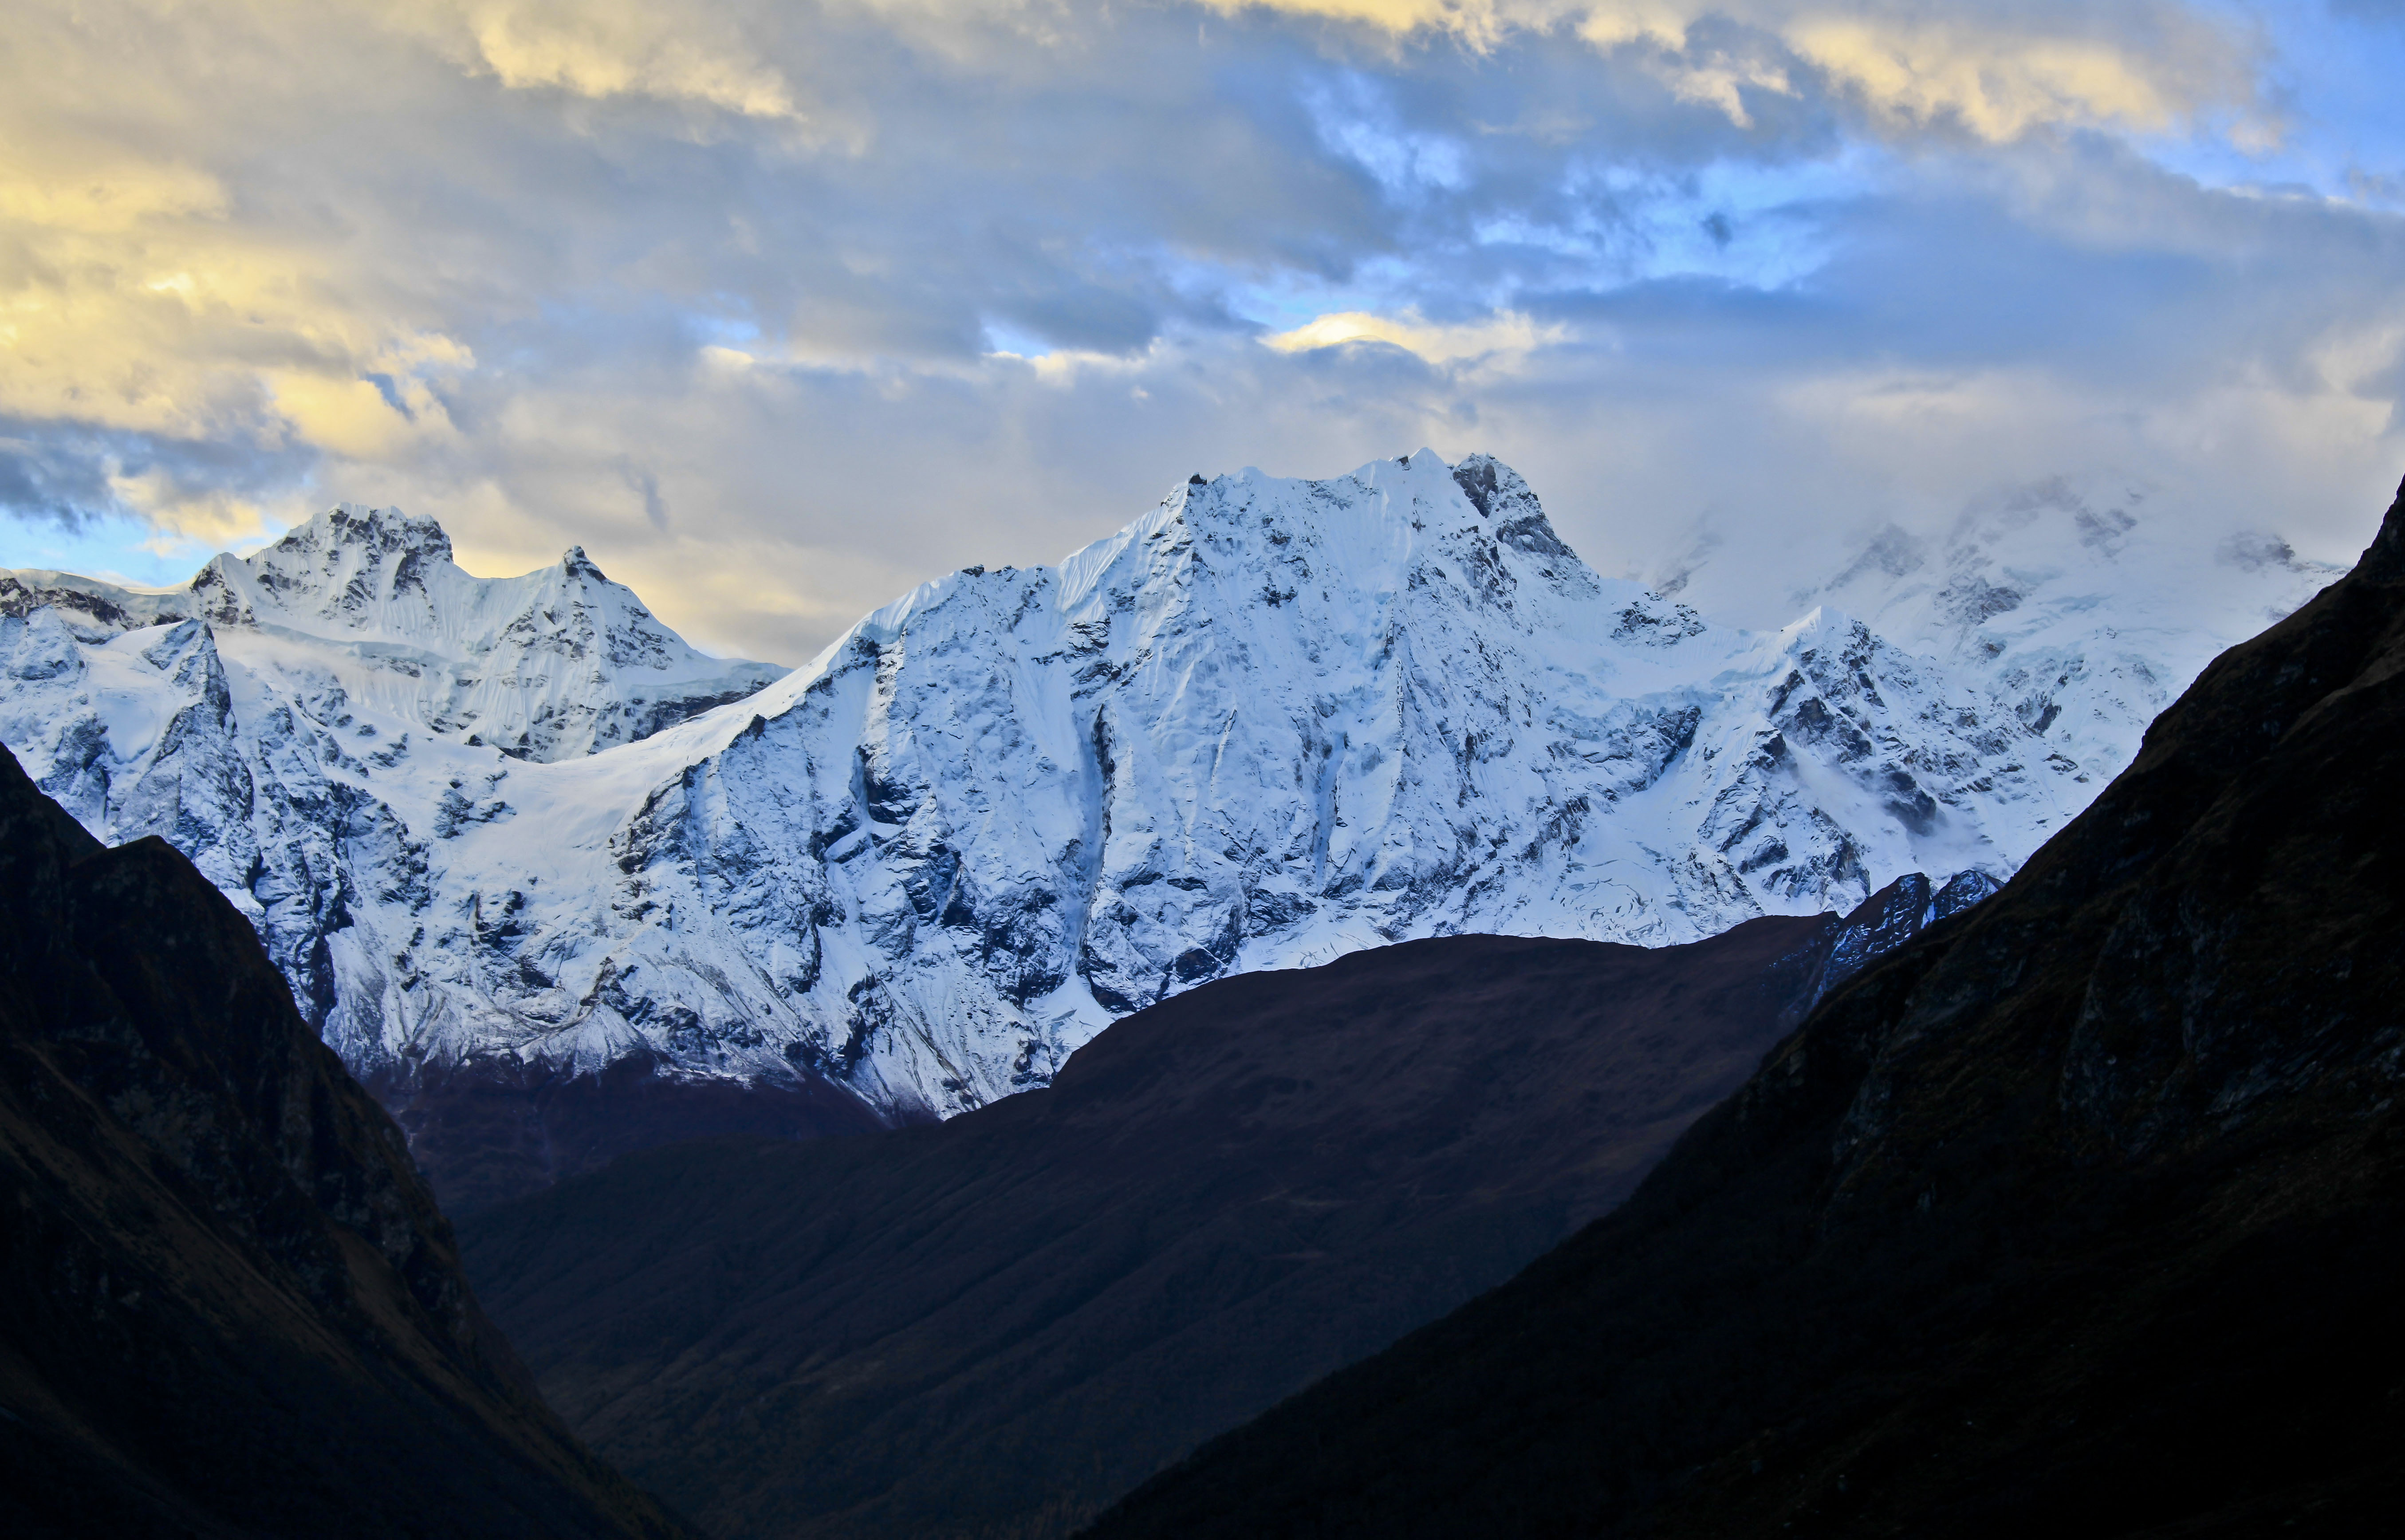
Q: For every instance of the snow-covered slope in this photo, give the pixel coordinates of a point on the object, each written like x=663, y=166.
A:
x=1268, y=722
x=2082, y=602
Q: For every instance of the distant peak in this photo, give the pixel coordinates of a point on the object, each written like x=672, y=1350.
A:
x=577, y=564
x=380, y=531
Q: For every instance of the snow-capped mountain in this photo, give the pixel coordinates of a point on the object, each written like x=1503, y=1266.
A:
x=1269, y=722
x=365, y=607
x=260, y=717
x=2073, y=599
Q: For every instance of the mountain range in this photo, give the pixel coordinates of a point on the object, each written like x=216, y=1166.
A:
x=2071, y=1205
x=555, y=884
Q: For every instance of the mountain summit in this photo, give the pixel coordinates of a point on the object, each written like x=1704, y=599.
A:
x=366, y=605
x=1270, y=722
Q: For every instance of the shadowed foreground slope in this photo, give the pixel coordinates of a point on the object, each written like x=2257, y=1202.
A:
x=995, y=1326
x=492, y=1129
x=228, y=1307
x=2084, y=1213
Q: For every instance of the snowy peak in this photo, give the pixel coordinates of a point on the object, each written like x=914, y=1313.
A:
x=89, y=609
x=1505, y=500
x=356, y=568
x=1269, y=722
x=362, y=612
x=1354, y=553
x=2087, y=603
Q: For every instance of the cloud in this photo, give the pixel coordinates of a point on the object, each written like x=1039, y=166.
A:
x=69, y=477
x=611, y=49
x=40, y=483
x=1994, y=73
x=1505, y=333
x=778, y=307
x=2000, y=83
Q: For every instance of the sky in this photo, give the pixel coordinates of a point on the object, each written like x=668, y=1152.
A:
x=779, y=308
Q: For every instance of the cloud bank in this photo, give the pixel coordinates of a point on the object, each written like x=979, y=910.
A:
x=778, y=308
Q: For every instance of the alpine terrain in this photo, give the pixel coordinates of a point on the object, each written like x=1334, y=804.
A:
x=527, y=893
x=2080, y=1212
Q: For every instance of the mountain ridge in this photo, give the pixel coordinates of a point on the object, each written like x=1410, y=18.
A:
x=1270, y=722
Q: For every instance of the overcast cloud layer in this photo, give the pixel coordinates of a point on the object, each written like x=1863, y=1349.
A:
x=778, y=308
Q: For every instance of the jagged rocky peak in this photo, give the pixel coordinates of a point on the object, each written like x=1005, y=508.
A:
x=349, y=530
x=1349, y=547
x=1501, y=496
x=360, y=568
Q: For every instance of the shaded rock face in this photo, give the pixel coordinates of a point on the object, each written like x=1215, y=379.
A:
x=228, y=1305
x=2083, y=1213
x=1001, y=1323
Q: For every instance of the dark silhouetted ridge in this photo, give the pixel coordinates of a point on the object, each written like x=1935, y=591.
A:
x=228, y=1305
x=2084, y=1213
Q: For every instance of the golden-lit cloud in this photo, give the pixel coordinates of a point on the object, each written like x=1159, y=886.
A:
x=613, y=47
x=104, y=200
x=1506, y=332
x=141, y=292
x=1912, y=66
x=138, y=305
x=2000, y=83
x=215, y=520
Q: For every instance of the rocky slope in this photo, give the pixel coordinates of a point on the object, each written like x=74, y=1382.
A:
x=228, y=1305
x=2083, y=1213
x=999, y=1324
x=1269, y=722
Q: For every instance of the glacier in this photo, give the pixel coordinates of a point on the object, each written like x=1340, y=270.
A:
x=519, y=823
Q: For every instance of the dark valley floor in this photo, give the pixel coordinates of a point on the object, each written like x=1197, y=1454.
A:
x=997, y=1325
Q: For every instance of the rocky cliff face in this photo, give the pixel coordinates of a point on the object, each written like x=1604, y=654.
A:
x=1269, y=722
x=2080, y=1213
x=228, y=1305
